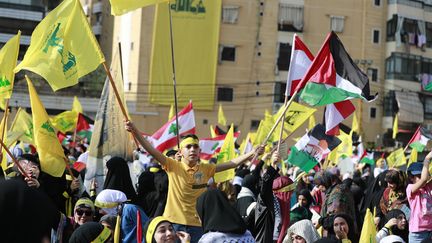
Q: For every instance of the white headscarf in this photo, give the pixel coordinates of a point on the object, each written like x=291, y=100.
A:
x=303, y=228
x=109, y=199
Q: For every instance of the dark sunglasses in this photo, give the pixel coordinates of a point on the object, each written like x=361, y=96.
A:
x=80, y=212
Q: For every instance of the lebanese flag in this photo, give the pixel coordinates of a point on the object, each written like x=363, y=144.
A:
x=301, y=59
x=335, y=113
x=333, y=76
x=166, y=138
x=420, y=139
x=210, y=146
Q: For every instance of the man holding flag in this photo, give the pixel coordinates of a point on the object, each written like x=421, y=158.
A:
x=187, y=179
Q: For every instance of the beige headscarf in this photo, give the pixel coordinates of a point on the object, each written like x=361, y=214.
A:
x=303, y=228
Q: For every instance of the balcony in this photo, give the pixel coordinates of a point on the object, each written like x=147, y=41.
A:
x=97, y=29
x=20, y=14
x=422, y=4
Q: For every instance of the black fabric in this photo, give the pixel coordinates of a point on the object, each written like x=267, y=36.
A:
x=394, y=229
x=152, y=192
x=352, y=233
x=306, y=193
x=300, y=213
x=54, y=188
x=217, y=214
x=346, y=68
x=242, y=205
x=374, y=193
x=86, y=233
x=264, y=210
x=118, y=177
x=26, y=214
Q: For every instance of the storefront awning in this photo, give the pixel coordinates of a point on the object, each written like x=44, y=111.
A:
x=410, y=107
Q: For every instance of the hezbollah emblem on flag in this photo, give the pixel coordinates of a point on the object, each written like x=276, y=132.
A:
x=48, y=129
x=67, y=59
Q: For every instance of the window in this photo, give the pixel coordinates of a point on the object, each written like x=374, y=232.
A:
x=403, y=66
x=227, y=53
x=428, y=108
x=279, y=92
x=391, y=28
x=254, y=125
x=377, y=2
x=290, y=18
x=428, y=34
x=372, y=74
x=225, y=94
x=230, y=14
x=372, y=112
x=284, y=56
x=337, y=23
x=390, y=104
x=376, y=36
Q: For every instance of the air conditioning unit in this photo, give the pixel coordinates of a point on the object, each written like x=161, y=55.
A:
x=276, y=107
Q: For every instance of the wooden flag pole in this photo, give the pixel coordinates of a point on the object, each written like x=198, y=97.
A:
x=174, y=76
x=68, y=168
x=406, y=147
x=121, y=71
x=287, y=105
x=282, y=125
x=13, y=159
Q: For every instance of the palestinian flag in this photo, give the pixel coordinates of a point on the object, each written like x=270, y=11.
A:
x=166, y=136
x=82, y=123
x=333, y=76
x=301, y=59
x=312, y=148
x=335, y=113
x=367, y=158
x=210, y=146
x=420, y=139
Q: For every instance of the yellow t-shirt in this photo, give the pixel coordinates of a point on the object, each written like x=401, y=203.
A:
x=186, y=184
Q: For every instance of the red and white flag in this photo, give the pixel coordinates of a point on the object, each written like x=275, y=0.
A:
x=165, y=137
x=335, y=113
x=210, y=146
x=301, y=59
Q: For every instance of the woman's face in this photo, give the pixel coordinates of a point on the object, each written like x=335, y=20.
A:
x=302, y=200
x=297, y=239
x=306, y=179
x=401, y=222
x=165, y=233
x=340, y=225
x=392, y=186
x=30, y=168
x=83, y=215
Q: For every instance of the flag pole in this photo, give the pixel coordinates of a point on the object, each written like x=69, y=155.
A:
x=286, y=106
x=121, y=71
x=282, y=126
x=5, y=116
x=174, y=76
x=13, y=159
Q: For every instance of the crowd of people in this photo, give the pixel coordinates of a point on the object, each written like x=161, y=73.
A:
x=175, y=198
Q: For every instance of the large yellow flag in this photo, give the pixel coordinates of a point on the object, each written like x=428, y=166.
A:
x=312, y=122
x=396, y=158
x=65, y=121
x=295, y=116
x=76, y=106
x=195, y=27
x=345, y=148
x=395, y=126
x=50, y=151
x=226, y=153
x=8, y=60
x=221, y=116
x=264, y=128
x=368, y=231
x=63, y=47
x=119, y=7
x=355, y=125
x=23, y=124
x=413, y=156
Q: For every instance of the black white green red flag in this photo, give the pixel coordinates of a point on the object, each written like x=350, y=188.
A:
x=420, y=139
x=333, y=76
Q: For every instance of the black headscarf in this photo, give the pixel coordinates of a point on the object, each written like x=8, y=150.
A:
x=88, y=232
x=305, y=193
x=374, y=193
x=251, y=183
x=394, y=213
x=352, y=234
x=118, y=177
x=217, y=214
x=27, y=214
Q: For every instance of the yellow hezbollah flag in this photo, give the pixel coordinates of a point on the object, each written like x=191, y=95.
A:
x=171, y=112
x=226, y=154
x=395, y=126
x=345, y=148
x=413, y=156
x=65, y=121
x=295, y=116
x=76, y=106
x=23, y=123
x=355, y=125
x=8, y=60
x=119, y=7
x=263, y=128
x=50, y=152
x=221, y=116
x=195, y=27
x=312, y=122
x=396, y=158
x=368, y=231
x=63, y=47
